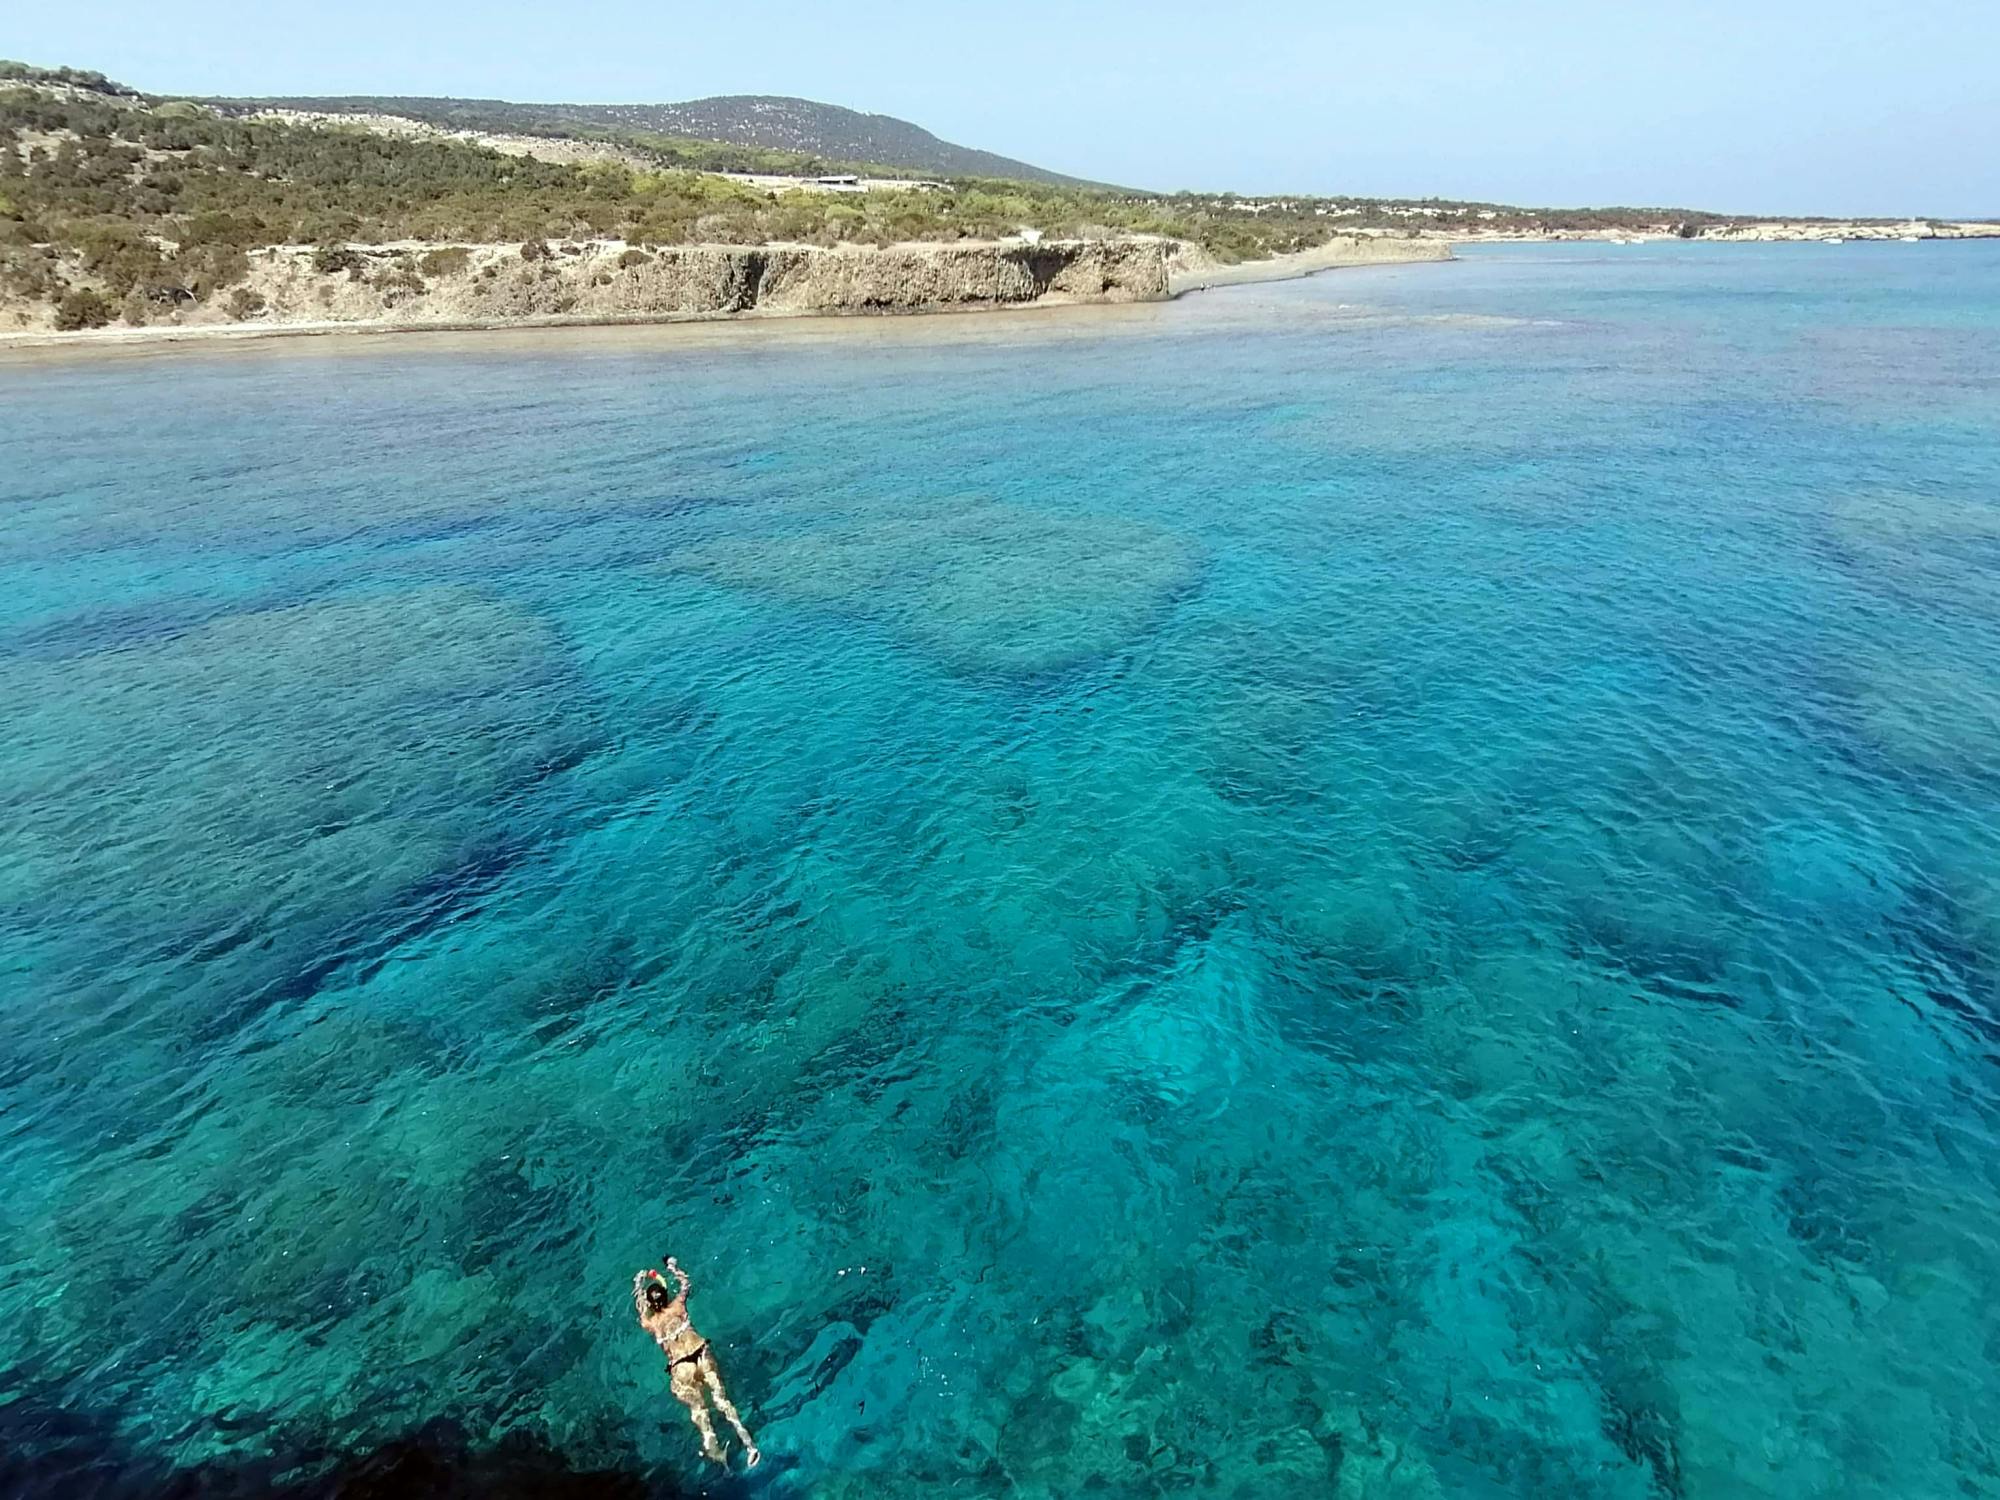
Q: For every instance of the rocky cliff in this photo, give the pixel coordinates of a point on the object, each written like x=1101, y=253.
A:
x=607, y=281
x=416, y=285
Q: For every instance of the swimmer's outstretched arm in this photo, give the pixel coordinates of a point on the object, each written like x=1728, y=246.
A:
x=679, y=1275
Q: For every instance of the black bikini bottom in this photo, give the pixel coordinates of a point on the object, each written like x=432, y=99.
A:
x=674, y=1364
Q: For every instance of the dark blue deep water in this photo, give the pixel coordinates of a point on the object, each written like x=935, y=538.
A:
x=1381, y=887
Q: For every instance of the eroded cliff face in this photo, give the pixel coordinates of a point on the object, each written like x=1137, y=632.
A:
x=921, y=277
x=609, y=281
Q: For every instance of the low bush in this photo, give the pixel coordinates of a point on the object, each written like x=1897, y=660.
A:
x=118, y=255
x=207, y=269
x=450, y=261
x=329, y=260
x=400, y=275
x=82, y=307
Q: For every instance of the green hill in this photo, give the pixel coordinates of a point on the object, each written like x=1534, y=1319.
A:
x=119, y=203
x=802, y=132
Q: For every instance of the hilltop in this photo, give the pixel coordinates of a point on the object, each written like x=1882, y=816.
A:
x=784, y=132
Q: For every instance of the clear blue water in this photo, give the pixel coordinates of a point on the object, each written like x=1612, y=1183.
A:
x=1388, y=886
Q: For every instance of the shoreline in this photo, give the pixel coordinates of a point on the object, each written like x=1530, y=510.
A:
x=1337, y=255
x=1179, y=284
x=698, y=327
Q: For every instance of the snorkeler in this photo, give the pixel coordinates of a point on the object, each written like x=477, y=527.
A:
x=691, y=1367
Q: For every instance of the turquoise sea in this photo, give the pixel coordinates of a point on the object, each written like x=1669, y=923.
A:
x=1386, y=886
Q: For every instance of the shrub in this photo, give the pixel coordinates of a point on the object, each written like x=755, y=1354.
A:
x=534, y=250
x=450, y=261
x=209, y=268
x=163, y=291
x=245, y=304
x=29, y=271
x=216, y=228
x=118, y=255
x=630, y=258
x=82, y=307
x=329, y=259
x=399, y=281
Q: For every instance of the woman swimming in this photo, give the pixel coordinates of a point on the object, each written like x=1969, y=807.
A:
x=691, y=1369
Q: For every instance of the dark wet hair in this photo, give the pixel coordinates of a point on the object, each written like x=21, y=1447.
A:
x=656, y=1296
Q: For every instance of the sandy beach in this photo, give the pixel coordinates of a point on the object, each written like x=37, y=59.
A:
x=1335, y=255
x=1037, y=322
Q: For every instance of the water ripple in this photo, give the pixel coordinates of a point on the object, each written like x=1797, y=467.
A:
x=1381, y=887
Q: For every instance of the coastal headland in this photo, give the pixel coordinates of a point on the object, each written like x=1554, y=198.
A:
x=412, y=287
x=128, y=217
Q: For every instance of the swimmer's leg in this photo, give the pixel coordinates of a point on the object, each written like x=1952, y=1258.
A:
x=687, y=1386
x=712, y=1373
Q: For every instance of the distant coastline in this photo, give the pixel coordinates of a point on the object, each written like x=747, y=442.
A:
x=1752, y=232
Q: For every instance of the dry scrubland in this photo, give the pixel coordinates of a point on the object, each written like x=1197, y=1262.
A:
x=123, y=211
x=120, y=211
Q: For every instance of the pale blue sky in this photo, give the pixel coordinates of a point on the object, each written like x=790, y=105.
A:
x=1778, y=106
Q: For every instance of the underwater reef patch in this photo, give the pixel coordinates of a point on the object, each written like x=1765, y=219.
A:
x=985, y=586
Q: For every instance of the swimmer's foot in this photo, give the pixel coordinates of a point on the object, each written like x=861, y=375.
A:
x=712, y=1450
x=751, y=1455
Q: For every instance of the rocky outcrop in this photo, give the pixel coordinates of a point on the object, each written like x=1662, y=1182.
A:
x=606, y=281
x=926, y=277
x=415, y=285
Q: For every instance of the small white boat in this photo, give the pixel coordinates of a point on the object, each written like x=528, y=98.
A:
x=1911, y=239
x=1837, y=240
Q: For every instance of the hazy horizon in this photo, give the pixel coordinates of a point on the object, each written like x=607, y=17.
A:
x=1835, y=108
